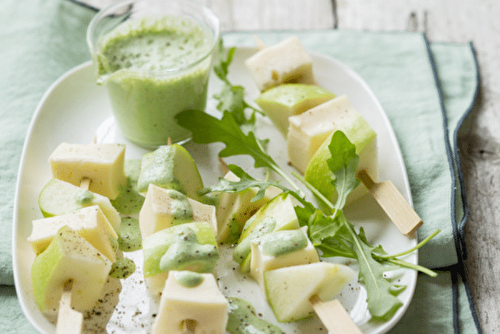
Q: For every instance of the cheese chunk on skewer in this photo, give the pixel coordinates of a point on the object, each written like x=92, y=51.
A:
x=89, y=222
x=310, y=134
x=164, y=208
x=103, y=164
x=287, y=61
x=69, y=259
x=280, y=249
x=191, y=300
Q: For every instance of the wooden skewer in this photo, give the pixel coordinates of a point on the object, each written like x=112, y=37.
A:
x=334, y=316
x=260, y=44
x=68, y=320
x=393, y=203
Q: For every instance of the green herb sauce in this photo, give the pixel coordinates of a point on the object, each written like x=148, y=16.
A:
x=185, y=253
x=243, y=319
x=283, y=242
x=189, y=279
x=122, y=268
x=129, y=235
x=130, y=201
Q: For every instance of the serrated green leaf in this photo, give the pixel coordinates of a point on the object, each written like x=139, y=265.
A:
x=343, y=164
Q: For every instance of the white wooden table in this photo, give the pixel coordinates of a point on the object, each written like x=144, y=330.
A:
x=444, y=21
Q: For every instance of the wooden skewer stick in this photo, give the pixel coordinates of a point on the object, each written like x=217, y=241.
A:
x=69, y=321
x=260, y=44
x=393, y=203
x=334, y=316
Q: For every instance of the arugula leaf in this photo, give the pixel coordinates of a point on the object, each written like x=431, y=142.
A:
x=343, y=163
x=231, y=97
x=221, y=67
x=382, y=303
x=207, y=129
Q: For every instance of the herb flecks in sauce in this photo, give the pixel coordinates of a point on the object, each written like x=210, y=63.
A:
x=129, y=235
x=130, y=201
x=122, y=268
x=243, y=319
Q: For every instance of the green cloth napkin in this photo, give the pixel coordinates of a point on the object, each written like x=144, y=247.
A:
x=426, y=89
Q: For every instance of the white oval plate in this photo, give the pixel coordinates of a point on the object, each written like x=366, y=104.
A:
x=74, y=109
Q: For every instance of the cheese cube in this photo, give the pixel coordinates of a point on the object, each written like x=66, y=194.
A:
x=287, y=61
x=102, y=163
x=164, y=208
x=191, y=298
x=89, y=222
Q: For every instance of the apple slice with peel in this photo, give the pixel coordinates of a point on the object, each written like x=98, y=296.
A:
x=234, y=209
x=283, y=101
x=59, y=197
x=278, y=214
x=290, y=289
x=69, y=258
x=189, y=246
x=170, y=167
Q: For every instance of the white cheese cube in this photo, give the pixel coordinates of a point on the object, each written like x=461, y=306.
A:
x=89, y=222
x=102, y=163
x=191, y=298
x=163, y=208
x=287, y=61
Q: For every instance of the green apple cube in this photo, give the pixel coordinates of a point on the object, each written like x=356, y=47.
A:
x=164, y=208
x=195, y=297
x=284, y=62
x=358, y=131
x=89, y=222
x=69, y=258
x=103, y=164
x=280, y=249
x=190, y=246
x=290, y=289
x=283, y=101
x=278, y=214
x=60, y=197
x=170, y=167
x=234, y=209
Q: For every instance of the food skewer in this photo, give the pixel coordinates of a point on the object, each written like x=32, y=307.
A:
x=393, y=203
x=69, y=320
x=334, y=316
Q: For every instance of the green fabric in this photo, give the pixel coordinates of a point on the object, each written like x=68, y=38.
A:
x=41, y=40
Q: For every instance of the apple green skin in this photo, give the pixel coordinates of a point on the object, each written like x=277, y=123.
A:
x=318, y=173
x=290, y=99
x=59, y=198
x=262, y=222
x=290, y=289
x=170, y=167
x=69, y=257
x=157, y=244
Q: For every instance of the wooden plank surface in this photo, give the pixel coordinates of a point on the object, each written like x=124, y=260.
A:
x=442, y=20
